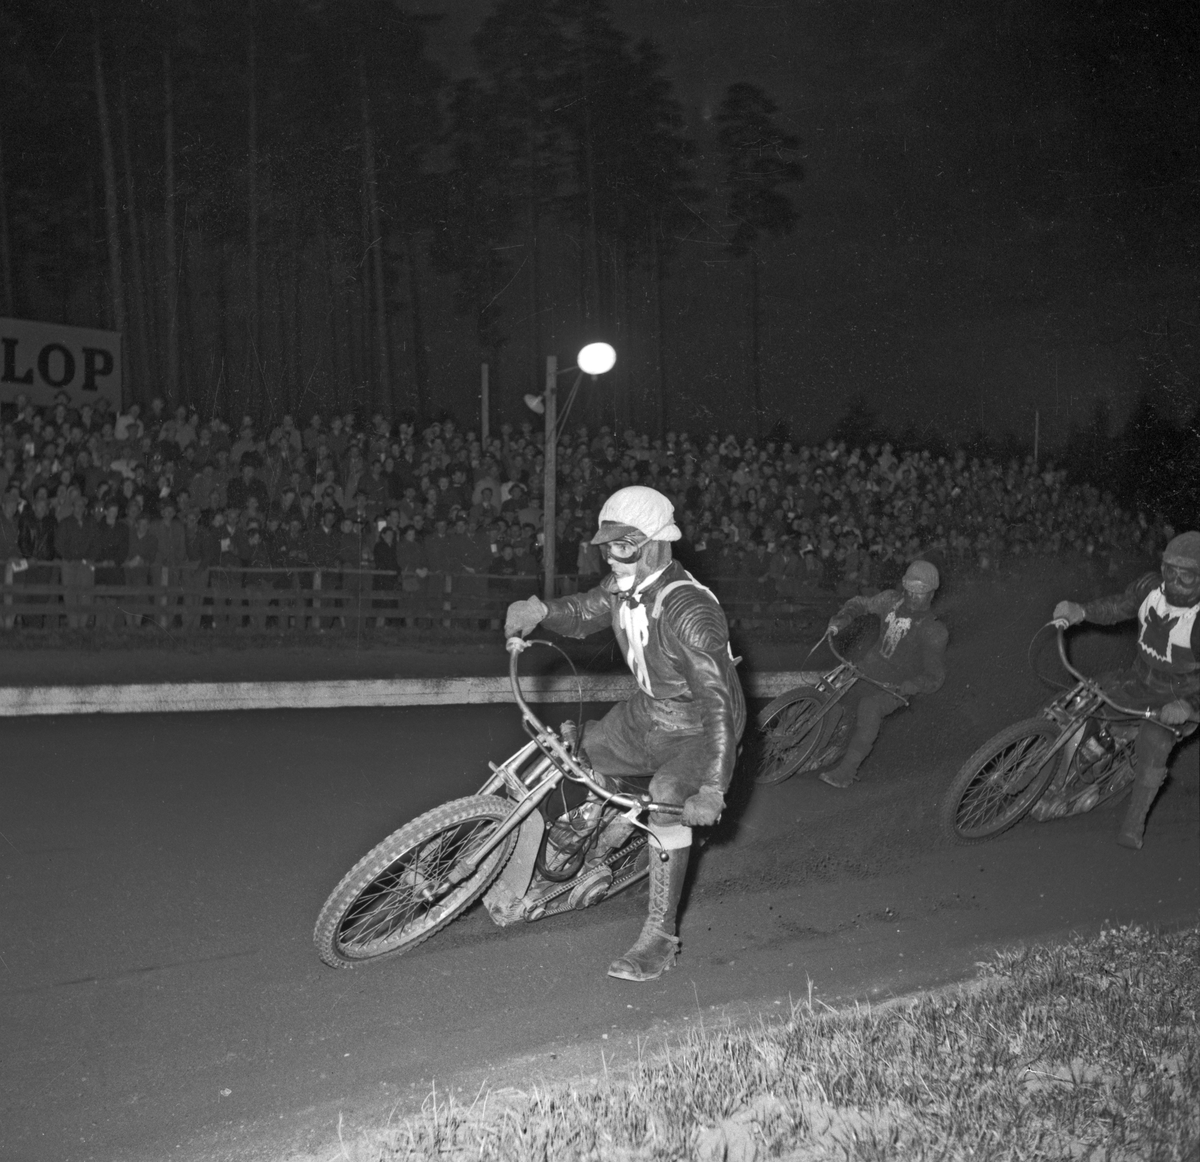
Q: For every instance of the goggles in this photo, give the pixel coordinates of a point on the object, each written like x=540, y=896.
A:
x=624, y=551
x=1185, y=576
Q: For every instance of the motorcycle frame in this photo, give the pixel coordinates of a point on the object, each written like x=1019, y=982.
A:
x=1071, y=710
x=533, y=771
x=840, y=680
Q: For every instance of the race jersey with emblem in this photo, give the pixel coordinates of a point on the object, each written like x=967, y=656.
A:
x=1168, y=635
x=910, y=645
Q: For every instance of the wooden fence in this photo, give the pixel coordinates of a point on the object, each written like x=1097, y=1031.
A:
x=53, y=595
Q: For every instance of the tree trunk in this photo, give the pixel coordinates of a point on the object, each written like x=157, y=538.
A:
x=296, y=349
x=384, y=381
x=169, y=234
x=8, y=305
x=140, y=337
x=339, y=366
x=661, y=328
x=755, y=370
x=420, y=355
x=252, y=206
x=222, y=322
x=535, y=289
x=594, y=313
x=116, y=288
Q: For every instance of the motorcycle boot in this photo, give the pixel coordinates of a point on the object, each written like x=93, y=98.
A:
x=1133, y=826
x=655, y=949
x=847, y=770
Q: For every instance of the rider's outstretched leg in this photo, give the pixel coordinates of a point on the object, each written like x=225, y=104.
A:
x=872, y=709
x=1133, y=826
x=1153, y=746
x=655, y=949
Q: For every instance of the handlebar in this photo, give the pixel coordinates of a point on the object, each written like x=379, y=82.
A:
x=1062, y=625
x=892, y=690
x=551, y=742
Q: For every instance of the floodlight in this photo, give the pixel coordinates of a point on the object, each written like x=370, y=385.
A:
x=597, y=358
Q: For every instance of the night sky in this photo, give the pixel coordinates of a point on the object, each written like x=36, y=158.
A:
x=999, y=212
x=999, y=215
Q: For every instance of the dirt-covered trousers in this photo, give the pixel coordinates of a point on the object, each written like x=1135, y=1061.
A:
x=874, y=705
x=647, y=736
x=1140, y=691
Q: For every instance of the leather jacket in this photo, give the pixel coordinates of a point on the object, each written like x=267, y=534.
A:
x=675, y=637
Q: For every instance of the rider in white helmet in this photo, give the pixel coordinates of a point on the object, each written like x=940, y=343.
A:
x=683, y=724
x=1165, y=676
x=907, y=656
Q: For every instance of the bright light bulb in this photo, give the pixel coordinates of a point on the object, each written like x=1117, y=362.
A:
x=597, y=358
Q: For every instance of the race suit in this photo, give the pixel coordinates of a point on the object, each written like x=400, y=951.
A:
x=683, y=724
x=1167, y=666
x=909, y=656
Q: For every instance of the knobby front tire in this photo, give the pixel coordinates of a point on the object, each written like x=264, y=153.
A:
x=1000, y=782
x=791, y=733
x=396, y=896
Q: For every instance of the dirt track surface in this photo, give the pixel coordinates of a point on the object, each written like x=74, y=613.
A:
x=162, y=874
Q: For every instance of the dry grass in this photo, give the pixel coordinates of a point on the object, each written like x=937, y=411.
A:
x=1086, y=1050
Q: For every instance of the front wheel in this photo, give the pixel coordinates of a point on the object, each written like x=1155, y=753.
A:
x=1001, y=781
x=411, y=885
x=793, y=733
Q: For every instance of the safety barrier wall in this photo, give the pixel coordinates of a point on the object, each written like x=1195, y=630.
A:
x=55, y=594
x=190, y=697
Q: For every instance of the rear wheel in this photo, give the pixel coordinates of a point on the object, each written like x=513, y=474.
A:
x=412, y=884
x=792, y=733
x=1000, y=782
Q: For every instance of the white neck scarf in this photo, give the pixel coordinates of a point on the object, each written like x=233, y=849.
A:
x=634, y=621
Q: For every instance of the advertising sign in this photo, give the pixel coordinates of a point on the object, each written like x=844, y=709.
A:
x=46, y=360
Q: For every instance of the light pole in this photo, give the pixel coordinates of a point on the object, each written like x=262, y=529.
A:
x=594, y=359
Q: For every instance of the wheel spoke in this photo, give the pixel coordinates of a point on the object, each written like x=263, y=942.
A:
x=392, y=902
x=988, y=796
x=789, y=739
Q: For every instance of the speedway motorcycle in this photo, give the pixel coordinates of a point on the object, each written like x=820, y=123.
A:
x=1074, y=755
x=518, y=843
x=807, y=729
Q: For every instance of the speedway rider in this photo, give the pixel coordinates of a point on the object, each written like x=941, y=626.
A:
x=683, y=724
x=907, y=658
x=1165, y=676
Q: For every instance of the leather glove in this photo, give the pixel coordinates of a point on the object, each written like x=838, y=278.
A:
x=524, y=617
x=1175, y=713
x=908, y=689
x=703, y=808
x=1069, y=611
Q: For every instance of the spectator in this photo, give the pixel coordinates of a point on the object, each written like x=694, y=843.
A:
x=241, y=488
x=76, y=542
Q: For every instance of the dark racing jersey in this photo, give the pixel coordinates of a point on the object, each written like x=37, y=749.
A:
x=675, y=638
x=1168, y=658
x=910, y=647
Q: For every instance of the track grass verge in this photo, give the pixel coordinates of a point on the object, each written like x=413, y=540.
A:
x=1087, y=1049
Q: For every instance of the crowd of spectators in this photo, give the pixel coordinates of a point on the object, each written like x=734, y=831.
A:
x=115, y=498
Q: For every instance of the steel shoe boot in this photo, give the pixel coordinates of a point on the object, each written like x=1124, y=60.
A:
x=1133, y=826
x=847, y=770
x=655, y=949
